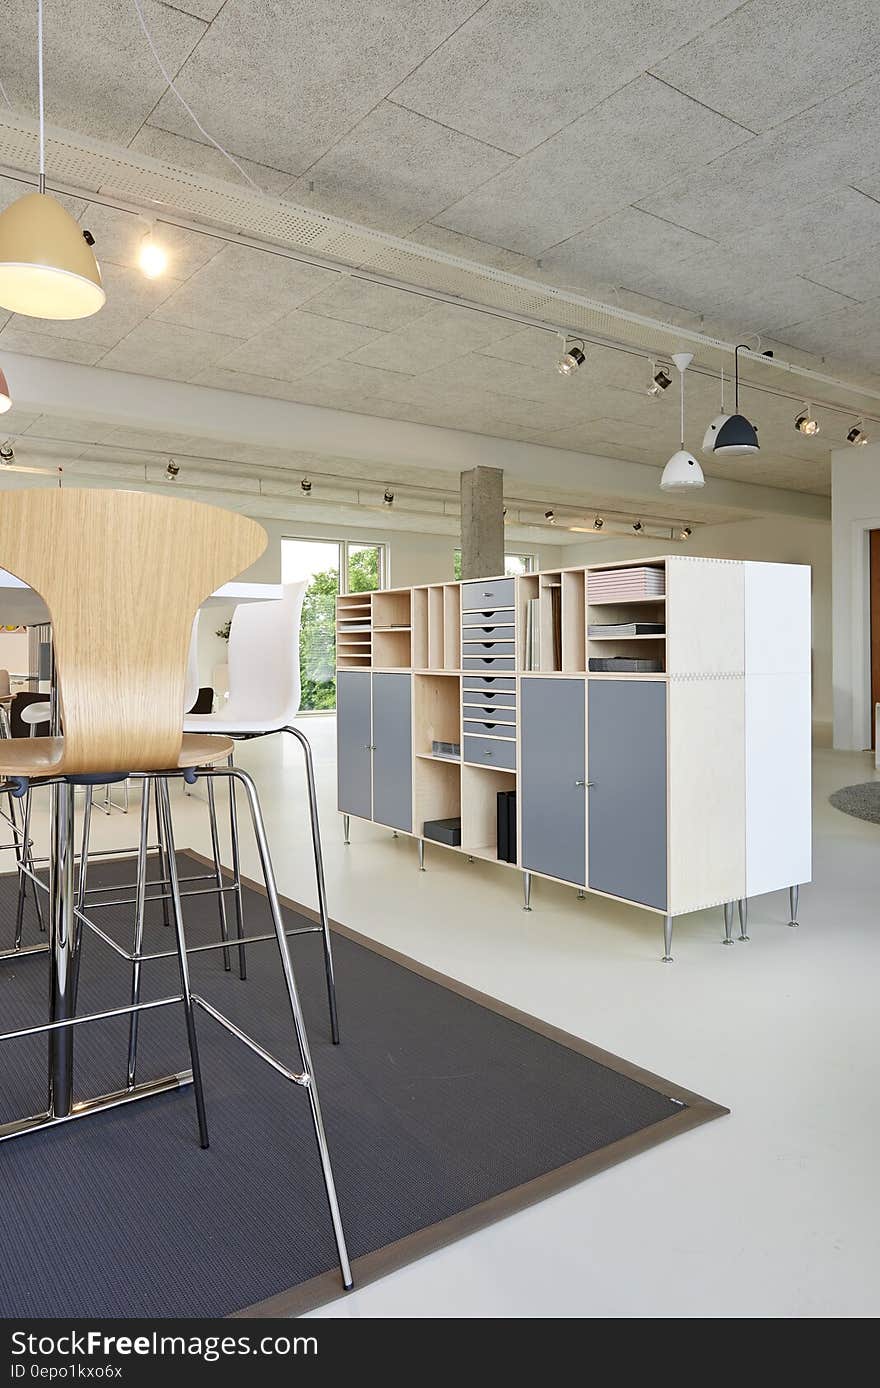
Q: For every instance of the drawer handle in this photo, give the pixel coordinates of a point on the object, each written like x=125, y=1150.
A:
x=487, y=754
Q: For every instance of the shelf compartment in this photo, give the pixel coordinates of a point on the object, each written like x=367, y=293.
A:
x=437, y=790
x=479, y=808
x=420, y=628
x=452, y=626
x=437, y=713
x=574, y=618
x=392, y=650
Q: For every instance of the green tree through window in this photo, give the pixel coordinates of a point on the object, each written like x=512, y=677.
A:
x=318, y=631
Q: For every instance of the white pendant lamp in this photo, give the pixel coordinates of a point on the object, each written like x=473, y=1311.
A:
x=47, y=267
x=682, y=472
x=731, y=435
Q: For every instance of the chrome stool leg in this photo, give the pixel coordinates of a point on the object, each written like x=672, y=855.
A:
x=319, y=879
x=298, y=1021
x=27, y=855
x=236, y=873
x=139, y=911
x=163, y=860
x=63, y=937
x=177, y=911
x=218, y=875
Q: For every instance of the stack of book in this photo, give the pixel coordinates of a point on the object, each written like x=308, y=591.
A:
x=625, y=585
x=606, y=629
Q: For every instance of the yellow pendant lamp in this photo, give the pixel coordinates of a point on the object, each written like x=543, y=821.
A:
x=47, y=267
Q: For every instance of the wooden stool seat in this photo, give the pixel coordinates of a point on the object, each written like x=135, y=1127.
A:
x=36, y=757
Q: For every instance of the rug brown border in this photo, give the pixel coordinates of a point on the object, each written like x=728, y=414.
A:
x=307, y=1296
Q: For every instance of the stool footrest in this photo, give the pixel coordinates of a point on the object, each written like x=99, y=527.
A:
x=18, y=1127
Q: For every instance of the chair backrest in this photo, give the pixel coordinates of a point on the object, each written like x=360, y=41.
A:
x=4, y=683
x=191, y=687
x=122, y=574
x=264, y=678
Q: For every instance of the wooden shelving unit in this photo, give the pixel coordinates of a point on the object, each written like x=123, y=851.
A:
x=354, y=639
x=674, y=789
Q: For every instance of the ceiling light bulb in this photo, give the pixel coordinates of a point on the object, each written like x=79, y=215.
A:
x=571, y=359
x=152, y=258
x=172, y=471
x=5, y=397
x=47, y=267
x=805, y=423
x=598, y=523
x=388, y=498
x=856, y=435
x=685, y=533
x=306, y=486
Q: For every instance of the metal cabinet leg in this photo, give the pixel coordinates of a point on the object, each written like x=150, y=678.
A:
x=743, y=905
x=421, y=855
x=527, y=891
x=728, y=923
x=581, y=894
x=793, y=893
x=346, y=826
x=667, y=939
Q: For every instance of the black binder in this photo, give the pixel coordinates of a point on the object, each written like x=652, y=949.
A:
x=506, y=803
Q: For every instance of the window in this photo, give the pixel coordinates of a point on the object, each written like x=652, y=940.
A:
x=331, y=567
x=514, y=564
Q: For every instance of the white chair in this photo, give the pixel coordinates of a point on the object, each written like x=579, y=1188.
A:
x=264, y=697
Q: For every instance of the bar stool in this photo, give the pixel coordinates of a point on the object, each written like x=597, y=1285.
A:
x=265, y=689
x=120, y=652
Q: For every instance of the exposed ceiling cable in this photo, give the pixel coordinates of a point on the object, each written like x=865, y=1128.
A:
x=185, y=104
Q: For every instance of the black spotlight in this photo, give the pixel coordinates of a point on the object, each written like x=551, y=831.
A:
x=388, y=498
x=660, y=381
x=638, y=527
x=857, y=436
x=598, y=523
x=550, y=517
x=572, y=357
x=172, y=472
x=306, y=486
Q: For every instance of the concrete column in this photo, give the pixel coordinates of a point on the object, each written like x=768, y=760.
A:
x=482, y=522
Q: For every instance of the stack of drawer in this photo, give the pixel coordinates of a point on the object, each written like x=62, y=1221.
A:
x=488, y=646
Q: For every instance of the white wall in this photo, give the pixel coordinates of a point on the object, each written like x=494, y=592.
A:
x=855, y=511
x=786, y=539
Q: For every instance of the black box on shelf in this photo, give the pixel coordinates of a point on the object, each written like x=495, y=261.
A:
x=506, y=802
x=446, y=831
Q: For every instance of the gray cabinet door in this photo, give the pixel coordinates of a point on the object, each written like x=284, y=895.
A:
x=354, y=736
x=627, y=769
x=392, y=754
x=552, y=761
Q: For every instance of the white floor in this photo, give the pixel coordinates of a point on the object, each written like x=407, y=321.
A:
x=770, y=1212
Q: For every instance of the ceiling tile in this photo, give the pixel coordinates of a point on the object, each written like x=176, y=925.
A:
x=570, y=182
x=372, y=305
x=101, y=78
x=445, y=333
x=773, y=58
x=245, y=383
x=296, y=344
x=800, y=162
x=165, y=349
x=67, y=427
x=395, y=170
x=191, y=154
x=857, y=275
x=852, y=336
x=130, y=297
x=362, y=381
x=610, y=251
x=17, y=339
x=481, y=252
x=280, y=83
x=831, y=229
x=205, y=9
x=242, y=290
x=562, y=56
x=118, y=237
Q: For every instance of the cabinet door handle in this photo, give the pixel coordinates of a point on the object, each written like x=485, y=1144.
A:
x=583, y=785
x=369, y=746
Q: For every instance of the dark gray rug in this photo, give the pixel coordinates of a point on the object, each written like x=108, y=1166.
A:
x=862, y=801
x=443, y=1112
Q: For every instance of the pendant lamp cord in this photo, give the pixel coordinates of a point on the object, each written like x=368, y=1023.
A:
x=740, y=347
x=40, y=89
x=681, y=393
x=184, y=103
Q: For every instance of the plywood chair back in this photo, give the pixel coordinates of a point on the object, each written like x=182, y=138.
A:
x=122, y=574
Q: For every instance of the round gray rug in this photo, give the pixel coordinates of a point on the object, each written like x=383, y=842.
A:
x=862, y=802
